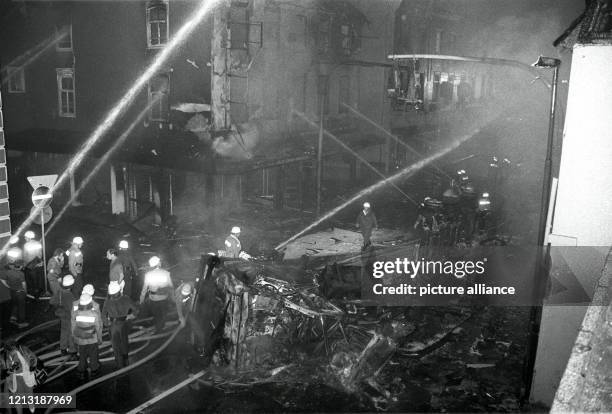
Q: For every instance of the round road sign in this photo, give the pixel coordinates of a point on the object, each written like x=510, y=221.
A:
x=42, y=197
x=46, y=215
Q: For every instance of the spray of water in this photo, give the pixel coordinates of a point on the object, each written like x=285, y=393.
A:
x=355, y=154
x=389, y=180
x=32, y=54
x=113, y=115
x=390, y=135
x=100, y=164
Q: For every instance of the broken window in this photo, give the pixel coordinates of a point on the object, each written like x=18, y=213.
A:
x=64, y=42
x=66, y=92
x=157, y=24
x=16, y=79
x=159, y=90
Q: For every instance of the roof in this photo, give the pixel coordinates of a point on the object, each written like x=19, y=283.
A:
x=592, y=26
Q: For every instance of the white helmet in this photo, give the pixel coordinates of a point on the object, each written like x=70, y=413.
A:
x=14, y=239
x=67, y=280
x=77, y=240
x=14, y=254
x=154, y=261
x=366, y=205
x=89, y=289
x=29, y=235
x=114, y=287
x=85, y=299
x=123, y=244
x=235, y=230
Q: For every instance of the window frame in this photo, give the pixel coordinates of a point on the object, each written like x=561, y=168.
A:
x=57, y=45
x=61, y=73
x=11, y=73
x=162, y=105
x=150, y=6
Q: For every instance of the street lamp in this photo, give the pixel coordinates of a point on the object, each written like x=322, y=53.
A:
x=548, y=63
x=538, y=297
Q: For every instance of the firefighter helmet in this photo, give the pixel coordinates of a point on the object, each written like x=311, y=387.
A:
x=67, y=280
x=154, y=261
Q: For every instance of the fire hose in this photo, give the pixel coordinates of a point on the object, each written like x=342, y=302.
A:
x=122, y=370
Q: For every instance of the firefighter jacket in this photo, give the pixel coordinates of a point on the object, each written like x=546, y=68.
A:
x=75, y=305
x=158, y=284
x=118, y=307
x=63, y=299
x=86, y=325
x=233, y=247
x=75, y=261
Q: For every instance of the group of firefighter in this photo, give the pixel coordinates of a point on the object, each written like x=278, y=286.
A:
x=461, y=214
x=457, y=218
x=74, y=303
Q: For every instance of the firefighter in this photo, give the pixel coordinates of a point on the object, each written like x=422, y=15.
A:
x=116, y=312
x=17, y=283
x=483, y=213
x=75, y=262
x=62, y=300
x=157, y=288
x=86, y=323
x=32, y=257
x=366, y=222
x=54, y=270
x=130, y=269
x=88, y=289
x=233, y=247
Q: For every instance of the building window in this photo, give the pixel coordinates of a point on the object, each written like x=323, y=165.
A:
x=159, y=89
x=157, y=24
x=350, y=39
x=344, y=93
x=66, y=93
x=64, y=42
x=437, y=41
x=324, y=34
x=16, y=79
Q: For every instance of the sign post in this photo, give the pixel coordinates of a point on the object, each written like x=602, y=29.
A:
x=41, y=198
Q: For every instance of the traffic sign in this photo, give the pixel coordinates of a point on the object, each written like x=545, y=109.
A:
x=41, y=196
x=46, y=213
x=42, y=181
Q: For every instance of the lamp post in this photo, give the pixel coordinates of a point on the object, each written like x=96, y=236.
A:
x=535, y=316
